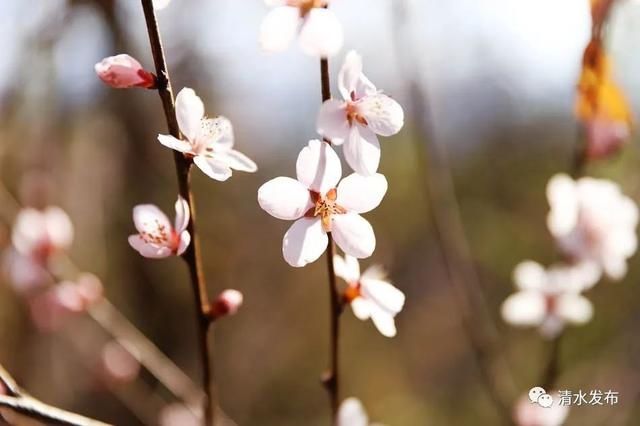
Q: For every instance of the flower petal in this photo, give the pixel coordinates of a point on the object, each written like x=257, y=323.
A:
x=361, y=308
x=353, y=234
x=304, y=242
x=151, y=251
x=284, y=198
x=217, y=133
x=529, y=275
x=215, y=169
x=383, y=321
x=524, y=308
x=185, y=240
x=182, y=215
x=352, y=413
x=318, y=167
x=332, y=121
x=361, y=194
x=237, y=161
x=278, y=28
x=321, y=33
x=175, y=143
x=347, y=268
x=352, y=82
x=563, y=202
x=383, y=294
x=59, y=227
x=160, y=4
x=189, y=112
x=384, y=115
x=362, y=150
x=148, y=218
x=574, y=308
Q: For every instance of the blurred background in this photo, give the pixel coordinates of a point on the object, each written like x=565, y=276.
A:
x=498, y=77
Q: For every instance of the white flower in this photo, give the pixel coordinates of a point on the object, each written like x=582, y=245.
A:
x=592, y=220
x=208, y=140
x=550, y=298
x=319, y=31
x=370, y=294
x=156, y=237
x=527, y=413
x=160, y=4
x=363, y=113
x=319, y=207
x=352, y=413
x=39, y=233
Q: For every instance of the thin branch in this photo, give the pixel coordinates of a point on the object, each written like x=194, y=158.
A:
x=23, y=403
x=192, y=254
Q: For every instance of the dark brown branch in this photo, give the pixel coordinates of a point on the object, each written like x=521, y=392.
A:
x=183, y=170
x=23, y=403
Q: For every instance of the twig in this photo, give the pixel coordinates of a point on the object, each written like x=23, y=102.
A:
x=331, y=378
x=21, y=402
x=192, y=254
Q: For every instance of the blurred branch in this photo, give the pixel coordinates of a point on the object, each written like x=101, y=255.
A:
x=21, y=402
x=183, y=170
x=449, y=229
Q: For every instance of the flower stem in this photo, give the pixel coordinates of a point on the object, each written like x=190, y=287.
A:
x=192, y=255
x=331, y=379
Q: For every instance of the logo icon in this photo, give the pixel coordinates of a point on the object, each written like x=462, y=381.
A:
x=538, y=395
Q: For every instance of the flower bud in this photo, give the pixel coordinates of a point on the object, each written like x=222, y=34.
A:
x=123, y=72
x=227, y=303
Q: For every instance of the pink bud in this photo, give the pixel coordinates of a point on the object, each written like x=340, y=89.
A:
x=123, y=71
x=605, y=137
x=227, y=303
x=119, y=365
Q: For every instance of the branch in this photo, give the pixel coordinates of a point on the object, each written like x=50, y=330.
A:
x=21, y=402
x=183, y=171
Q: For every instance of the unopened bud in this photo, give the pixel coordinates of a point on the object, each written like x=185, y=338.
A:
x=123, y=72
x=227, y=303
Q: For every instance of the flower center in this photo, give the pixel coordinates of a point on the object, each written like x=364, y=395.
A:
x=325, y=207
x=306, y=5
x=550, y=303
x=157, y=234
x=352, y=292
x=353, y=114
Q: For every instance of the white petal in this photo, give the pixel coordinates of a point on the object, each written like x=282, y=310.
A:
x=175, y=143
x=160, y=4
x=185, y=240
x=574, y=308
x=375, y=272
x=237, y=160
x=383, y=321
x=321, y=33
x=284, y=198
x=346, y=268
x=362, y=150
x=304, y=242
x=384, y=115
x=318, y=167
x=351, y=413
x=215, y=169
x=59, y=227
x=332, y=121
x=278, y=28
x=361, y=194
x=352, y=83
x=524, y=308
x=562, y=196
x=189, y=111
x=384, y=294
x=151, y=251
x=149, y=218
x=614, y=266
x=353, y=234
x=361, y=308
x=182, y=215
x=529, y=275
x=217, y=133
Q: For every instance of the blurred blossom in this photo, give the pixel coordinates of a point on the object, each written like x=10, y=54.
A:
x=593, y=221
x=601, y=105
x=160, y=4
x=209, y=140
x=318, y=207
x=118, y=363
x=227, y=303
x=41, y=233
x=550, y=298
x=123, y=72
x=25, y=273
x=319, y=30
x=527, y=413
x=177, y=415
x=370, y=294
x=352, y=413
x=156, y=237
x=89, y=288
x=363, y=113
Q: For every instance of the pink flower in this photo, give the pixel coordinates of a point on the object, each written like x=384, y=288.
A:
x=156, y=237
x=227, y=303
x=41, y=233
x=355, y=121
x=208, y=140
x=370, y=294
x=527, y=413
x=319, y=31
x=319, y=205
x=123, y=72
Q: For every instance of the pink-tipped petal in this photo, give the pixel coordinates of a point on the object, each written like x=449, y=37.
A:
x=189, y=112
